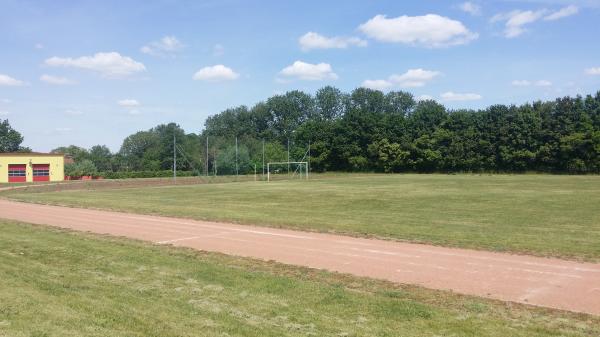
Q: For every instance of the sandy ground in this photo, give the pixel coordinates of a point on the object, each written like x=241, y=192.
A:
x=538, y=281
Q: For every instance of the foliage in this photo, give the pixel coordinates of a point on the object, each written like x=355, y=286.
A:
x=229, y=164
x=10, y=139
x=144, y=174
x=367, y=130
x=81, y=168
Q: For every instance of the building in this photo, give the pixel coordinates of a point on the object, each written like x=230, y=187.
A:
x=31, y=167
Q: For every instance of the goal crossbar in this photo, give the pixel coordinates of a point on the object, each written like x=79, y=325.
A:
x=286, y=163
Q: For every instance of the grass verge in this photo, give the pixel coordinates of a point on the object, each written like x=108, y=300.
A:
x=60, y=283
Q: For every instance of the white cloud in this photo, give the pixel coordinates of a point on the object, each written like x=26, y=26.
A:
x=110, y=64
x=521, y=83
x=413, y=78
x=38, y=46
x=218, y=50
x=429, y=30
x=452, y=96
x=516, y=20
x=593, y=71
x=470, y=8
x=5, y=100
x=168, y=45
x=63, y=129
x=310, y=72
x=56, y=80
x=312, y=40
x=377, y=84
x=9, y=81
x=216, y=73
x=526, y=83
x=542, y=83
x=128, y=102
x=562, y=13
x=4, y=113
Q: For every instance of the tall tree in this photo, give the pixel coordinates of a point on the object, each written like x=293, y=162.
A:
x=10, y=139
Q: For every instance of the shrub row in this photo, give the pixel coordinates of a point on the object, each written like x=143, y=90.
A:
x=144, y=174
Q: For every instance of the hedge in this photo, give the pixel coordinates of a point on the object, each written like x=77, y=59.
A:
x=144, y=174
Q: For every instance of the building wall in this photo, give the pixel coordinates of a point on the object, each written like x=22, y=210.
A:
x=57, y=166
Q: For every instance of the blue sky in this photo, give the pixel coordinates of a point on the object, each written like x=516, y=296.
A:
x=96, y=71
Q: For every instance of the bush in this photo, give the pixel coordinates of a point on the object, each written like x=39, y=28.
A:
x=144, y=174
x=83, y=168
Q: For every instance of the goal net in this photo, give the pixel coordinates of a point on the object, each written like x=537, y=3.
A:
x=287, y=170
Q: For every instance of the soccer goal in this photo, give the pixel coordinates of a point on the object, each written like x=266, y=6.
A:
x=287, y=170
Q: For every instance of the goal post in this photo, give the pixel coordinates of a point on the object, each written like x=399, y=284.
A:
x=300, y=170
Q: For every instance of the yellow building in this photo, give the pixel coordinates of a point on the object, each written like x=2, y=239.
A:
x=30, y=167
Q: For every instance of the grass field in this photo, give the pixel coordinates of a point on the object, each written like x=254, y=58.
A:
x=536, y=214
x=59, y=283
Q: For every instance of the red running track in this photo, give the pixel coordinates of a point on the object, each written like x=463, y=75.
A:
x=546, y=282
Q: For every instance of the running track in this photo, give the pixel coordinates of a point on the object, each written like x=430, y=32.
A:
x=538, y=281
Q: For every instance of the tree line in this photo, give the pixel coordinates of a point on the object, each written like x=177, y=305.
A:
x=366, y=130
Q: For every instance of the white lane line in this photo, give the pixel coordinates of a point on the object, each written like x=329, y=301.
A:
x=95, y=213
x=516, y=261
x=192, y=238
x=177, y=240
x=542, y=272
x=385, y=252
x=195, y=224
x=525, y=270
x=422, y=250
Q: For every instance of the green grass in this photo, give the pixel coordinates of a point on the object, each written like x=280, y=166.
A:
x=59, y=283
x=536, y=214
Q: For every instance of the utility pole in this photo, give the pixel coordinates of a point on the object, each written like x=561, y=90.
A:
x=236, y=157
x=288, y=161
x=308, y=163
x=263, y=157
x=174, y=159
x=207, y=155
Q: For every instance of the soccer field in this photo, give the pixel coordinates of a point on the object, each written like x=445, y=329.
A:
x=537, y=214
x=59, y=283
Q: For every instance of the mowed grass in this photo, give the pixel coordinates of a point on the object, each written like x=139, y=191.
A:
x=59, y=283
x=536, y=214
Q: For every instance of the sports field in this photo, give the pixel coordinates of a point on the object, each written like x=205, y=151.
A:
x=60, y=283
x=545, y=215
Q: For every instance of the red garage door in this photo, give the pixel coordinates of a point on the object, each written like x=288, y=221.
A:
x=41, y=172
x=17, y=173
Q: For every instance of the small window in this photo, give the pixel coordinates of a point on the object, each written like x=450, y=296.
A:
x=41, y=173
x=16, y=173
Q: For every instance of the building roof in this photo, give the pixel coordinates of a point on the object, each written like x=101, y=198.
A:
x=30, y=154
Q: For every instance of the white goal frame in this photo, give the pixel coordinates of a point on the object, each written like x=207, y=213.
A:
x=300, y=163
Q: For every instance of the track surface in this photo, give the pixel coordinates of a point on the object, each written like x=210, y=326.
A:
x=538, y=281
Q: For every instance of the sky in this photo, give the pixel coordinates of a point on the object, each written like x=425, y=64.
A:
x=94, y=72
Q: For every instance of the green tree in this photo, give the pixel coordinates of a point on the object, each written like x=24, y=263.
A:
x=101, y=157
x=388, y=157
x=10, y=139
x=77, y=153
x=83, y=168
